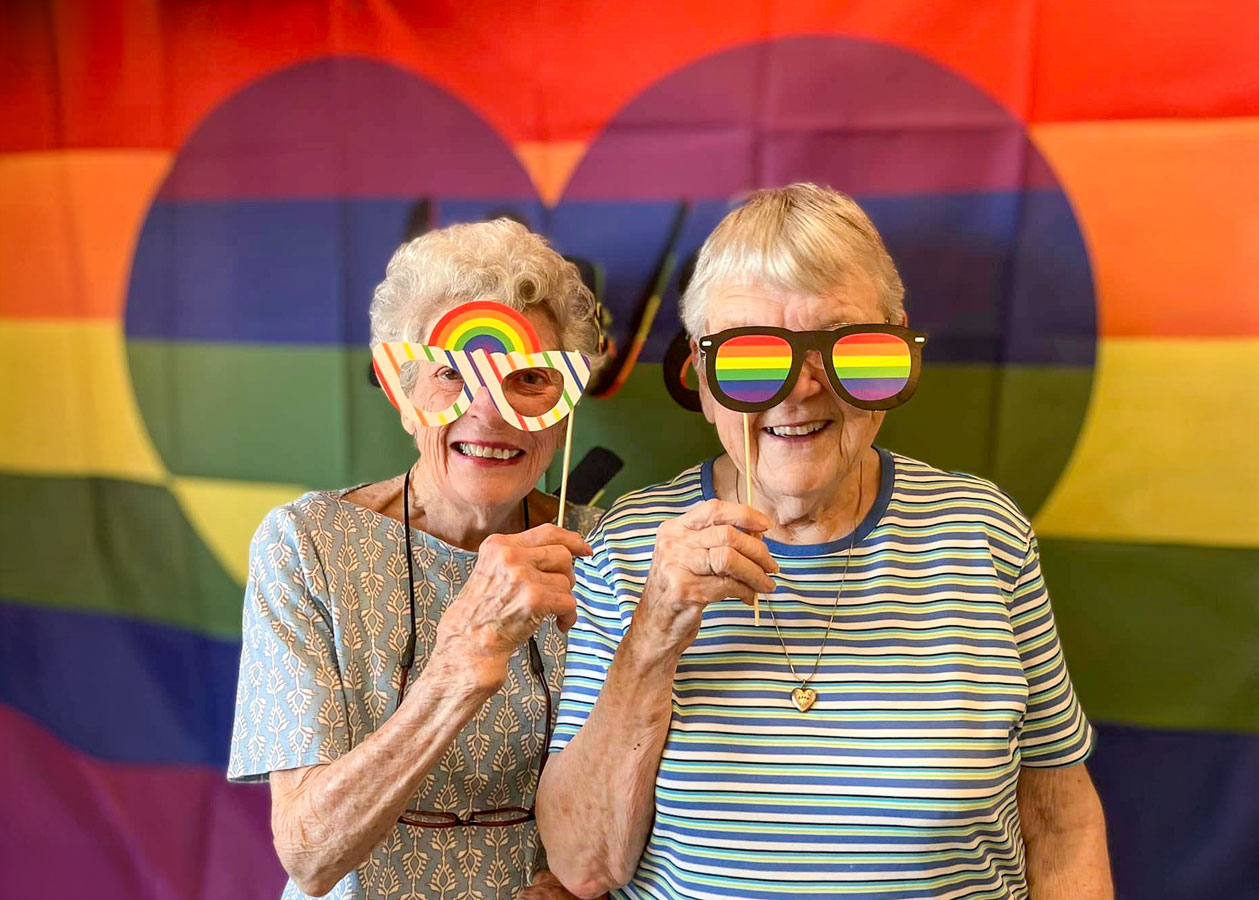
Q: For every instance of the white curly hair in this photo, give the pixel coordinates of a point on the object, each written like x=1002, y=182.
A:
x=500, y=260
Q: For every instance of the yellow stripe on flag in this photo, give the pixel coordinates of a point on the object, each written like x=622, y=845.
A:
x=227, y=513
x=70, y=412
x=68, y=405
x=1167, y=452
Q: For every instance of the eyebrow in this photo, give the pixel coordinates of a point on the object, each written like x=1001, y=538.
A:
x=834, y=325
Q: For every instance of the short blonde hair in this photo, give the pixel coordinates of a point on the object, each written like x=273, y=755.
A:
x=801, y=237
x=500, y=260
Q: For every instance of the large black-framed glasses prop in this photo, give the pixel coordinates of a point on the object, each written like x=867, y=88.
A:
x=754, y=368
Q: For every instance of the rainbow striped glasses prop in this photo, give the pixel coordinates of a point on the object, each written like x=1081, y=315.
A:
x=870, y=366
x=482, y=345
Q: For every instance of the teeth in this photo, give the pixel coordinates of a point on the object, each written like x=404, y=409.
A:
x=487, y=452
x=795, y=430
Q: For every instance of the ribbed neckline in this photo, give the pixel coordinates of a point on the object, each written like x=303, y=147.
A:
x=887, y=478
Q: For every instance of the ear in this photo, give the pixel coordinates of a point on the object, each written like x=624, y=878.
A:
x=904, y=322
x=706, y=401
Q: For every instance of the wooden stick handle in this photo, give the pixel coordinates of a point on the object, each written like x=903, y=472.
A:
x=568, y=455
x=747, y=482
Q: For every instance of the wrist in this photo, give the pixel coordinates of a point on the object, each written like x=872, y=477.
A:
x=465, y=672
x=647, y=652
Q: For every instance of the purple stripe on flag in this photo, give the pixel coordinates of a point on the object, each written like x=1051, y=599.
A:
x=75, y=826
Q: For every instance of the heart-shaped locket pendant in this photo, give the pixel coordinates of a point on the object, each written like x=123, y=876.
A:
x=803, y=698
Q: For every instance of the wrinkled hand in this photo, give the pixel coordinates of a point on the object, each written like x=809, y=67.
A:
x=546, y=887
x=518, y=580
x=709, y=553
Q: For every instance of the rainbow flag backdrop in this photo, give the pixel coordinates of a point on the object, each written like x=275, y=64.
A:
x=199, y=197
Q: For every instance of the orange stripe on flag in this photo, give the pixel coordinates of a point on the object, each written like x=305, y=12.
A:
x=1171, y=214
x=69, y=229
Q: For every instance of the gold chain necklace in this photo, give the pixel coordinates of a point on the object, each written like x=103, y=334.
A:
x=804, y=696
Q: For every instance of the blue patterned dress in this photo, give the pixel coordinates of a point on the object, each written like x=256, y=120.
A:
x=325, y=622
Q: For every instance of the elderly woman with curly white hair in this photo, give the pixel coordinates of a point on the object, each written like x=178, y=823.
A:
x=402, y=640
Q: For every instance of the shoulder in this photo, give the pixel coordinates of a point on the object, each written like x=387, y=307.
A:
x=300, y=518
x=645, y=508
x=924, y=491
x=307, y=534
x=582, y=519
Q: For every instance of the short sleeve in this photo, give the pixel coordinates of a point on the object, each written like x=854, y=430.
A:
x=592, y=643
x=1054, y=730
x=290, y=705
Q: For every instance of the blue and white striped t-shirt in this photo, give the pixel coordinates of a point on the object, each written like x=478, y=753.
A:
x=942, y=676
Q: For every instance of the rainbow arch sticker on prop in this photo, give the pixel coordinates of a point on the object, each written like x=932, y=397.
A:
x=485, y=325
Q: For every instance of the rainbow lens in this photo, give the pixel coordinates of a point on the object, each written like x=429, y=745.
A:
x=872, y=366
x=752, y=368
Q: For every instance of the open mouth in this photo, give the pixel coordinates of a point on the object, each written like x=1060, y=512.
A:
x=800, y=431
x=487, y=452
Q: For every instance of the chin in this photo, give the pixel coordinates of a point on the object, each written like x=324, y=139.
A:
x=801, y=480
x=492, y=491
x=804, y=486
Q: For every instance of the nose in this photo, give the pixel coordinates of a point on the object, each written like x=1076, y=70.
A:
x=483, y=409
x=812, y=378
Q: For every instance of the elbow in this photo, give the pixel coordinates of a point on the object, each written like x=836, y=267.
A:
x=310, y=880
x=590, y=884
x=580, y=849
x=590, y=876
x=586, y=873
x=316, y=887
x=306, y=847
x=312, y=875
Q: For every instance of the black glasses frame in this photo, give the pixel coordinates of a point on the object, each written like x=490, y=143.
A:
x=484, y=818
x=801, y=343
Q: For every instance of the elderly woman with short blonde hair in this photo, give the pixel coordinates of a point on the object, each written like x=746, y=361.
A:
x=402, y=640
x=900, y=723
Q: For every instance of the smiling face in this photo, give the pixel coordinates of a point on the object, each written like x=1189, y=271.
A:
x=479, y=460
x=804, y=447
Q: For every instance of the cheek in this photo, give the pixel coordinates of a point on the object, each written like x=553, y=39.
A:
x=729, y=425
x=431, y=439
x=547, y=442
x=710, y=406
x=860, y=425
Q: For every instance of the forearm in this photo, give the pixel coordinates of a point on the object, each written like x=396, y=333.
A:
x=1064, y=832
x=1070, y=866
x=327, y=819
x=596, y=801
